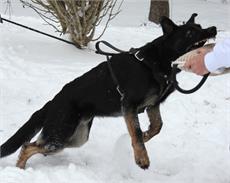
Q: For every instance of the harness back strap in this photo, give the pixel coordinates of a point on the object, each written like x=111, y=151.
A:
x=99, y=51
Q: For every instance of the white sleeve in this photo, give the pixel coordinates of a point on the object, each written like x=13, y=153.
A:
x=219, y=57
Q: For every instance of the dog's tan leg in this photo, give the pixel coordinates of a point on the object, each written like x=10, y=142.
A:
x=27, y=151
x=155, y=123
x=140, y=153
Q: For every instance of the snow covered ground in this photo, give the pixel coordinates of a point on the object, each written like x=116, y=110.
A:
x=193, y=146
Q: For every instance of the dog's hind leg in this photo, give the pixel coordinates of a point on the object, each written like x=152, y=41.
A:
x=51, y=140
x=132, y=122
x=155, y=122
x=28, y=150
x=81, y=134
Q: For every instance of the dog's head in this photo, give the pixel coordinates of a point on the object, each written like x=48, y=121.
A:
x=177, y=40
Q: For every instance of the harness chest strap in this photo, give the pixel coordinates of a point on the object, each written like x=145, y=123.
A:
x=114, y=78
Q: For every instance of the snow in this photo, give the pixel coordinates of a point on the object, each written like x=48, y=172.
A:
x=193, y=146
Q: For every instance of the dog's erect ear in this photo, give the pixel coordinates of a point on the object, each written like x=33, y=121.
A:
x=167, y=25
x=192, y=19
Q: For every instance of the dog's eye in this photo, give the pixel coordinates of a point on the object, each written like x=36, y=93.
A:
x=189, y=34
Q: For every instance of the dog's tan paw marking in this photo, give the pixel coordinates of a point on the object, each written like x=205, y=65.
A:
x=21, y=165
x=142, y=159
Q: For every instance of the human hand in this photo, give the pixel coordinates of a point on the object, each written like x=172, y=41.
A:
x=196, y=64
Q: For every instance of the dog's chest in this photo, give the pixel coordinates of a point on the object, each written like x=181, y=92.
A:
x=149, y=100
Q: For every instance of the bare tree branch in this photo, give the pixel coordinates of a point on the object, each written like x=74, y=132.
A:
x=79, y=18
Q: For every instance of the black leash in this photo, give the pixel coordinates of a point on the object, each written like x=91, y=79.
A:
x=177, y=87
x=35, y=30
x=108, y=55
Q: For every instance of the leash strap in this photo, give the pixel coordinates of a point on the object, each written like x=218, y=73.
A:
x=1, y=19
x=35, y=30
x=177, y=87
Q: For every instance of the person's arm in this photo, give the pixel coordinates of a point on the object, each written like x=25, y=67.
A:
x=219, y=57
x=206, y=61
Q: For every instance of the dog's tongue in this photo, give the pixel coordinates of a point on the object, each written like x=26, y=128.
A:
x=182, y=60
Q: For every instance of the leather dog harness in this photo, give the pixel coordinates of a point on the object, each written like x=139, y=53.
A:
x=136, y=53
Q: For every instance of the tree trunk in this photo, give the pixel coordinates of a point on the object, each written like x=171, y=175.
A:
x=158, y=8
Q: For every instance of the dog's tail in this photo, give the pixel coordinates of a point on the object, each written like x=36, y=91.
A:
x=25, y=133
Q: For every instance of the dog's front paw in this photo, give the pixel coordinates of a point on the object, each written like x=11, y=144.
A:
x=142, y=159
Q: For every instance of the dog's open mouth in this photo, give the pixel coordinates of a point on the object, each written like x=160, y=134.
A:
x=201, y=43
x=208, y=35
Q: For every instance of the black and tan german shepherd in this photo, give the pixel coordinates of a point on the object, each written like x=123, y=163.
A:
x=67, y=118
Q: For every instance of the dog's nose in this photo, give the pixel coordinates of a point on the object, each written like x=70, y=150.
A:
x=212, y=30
